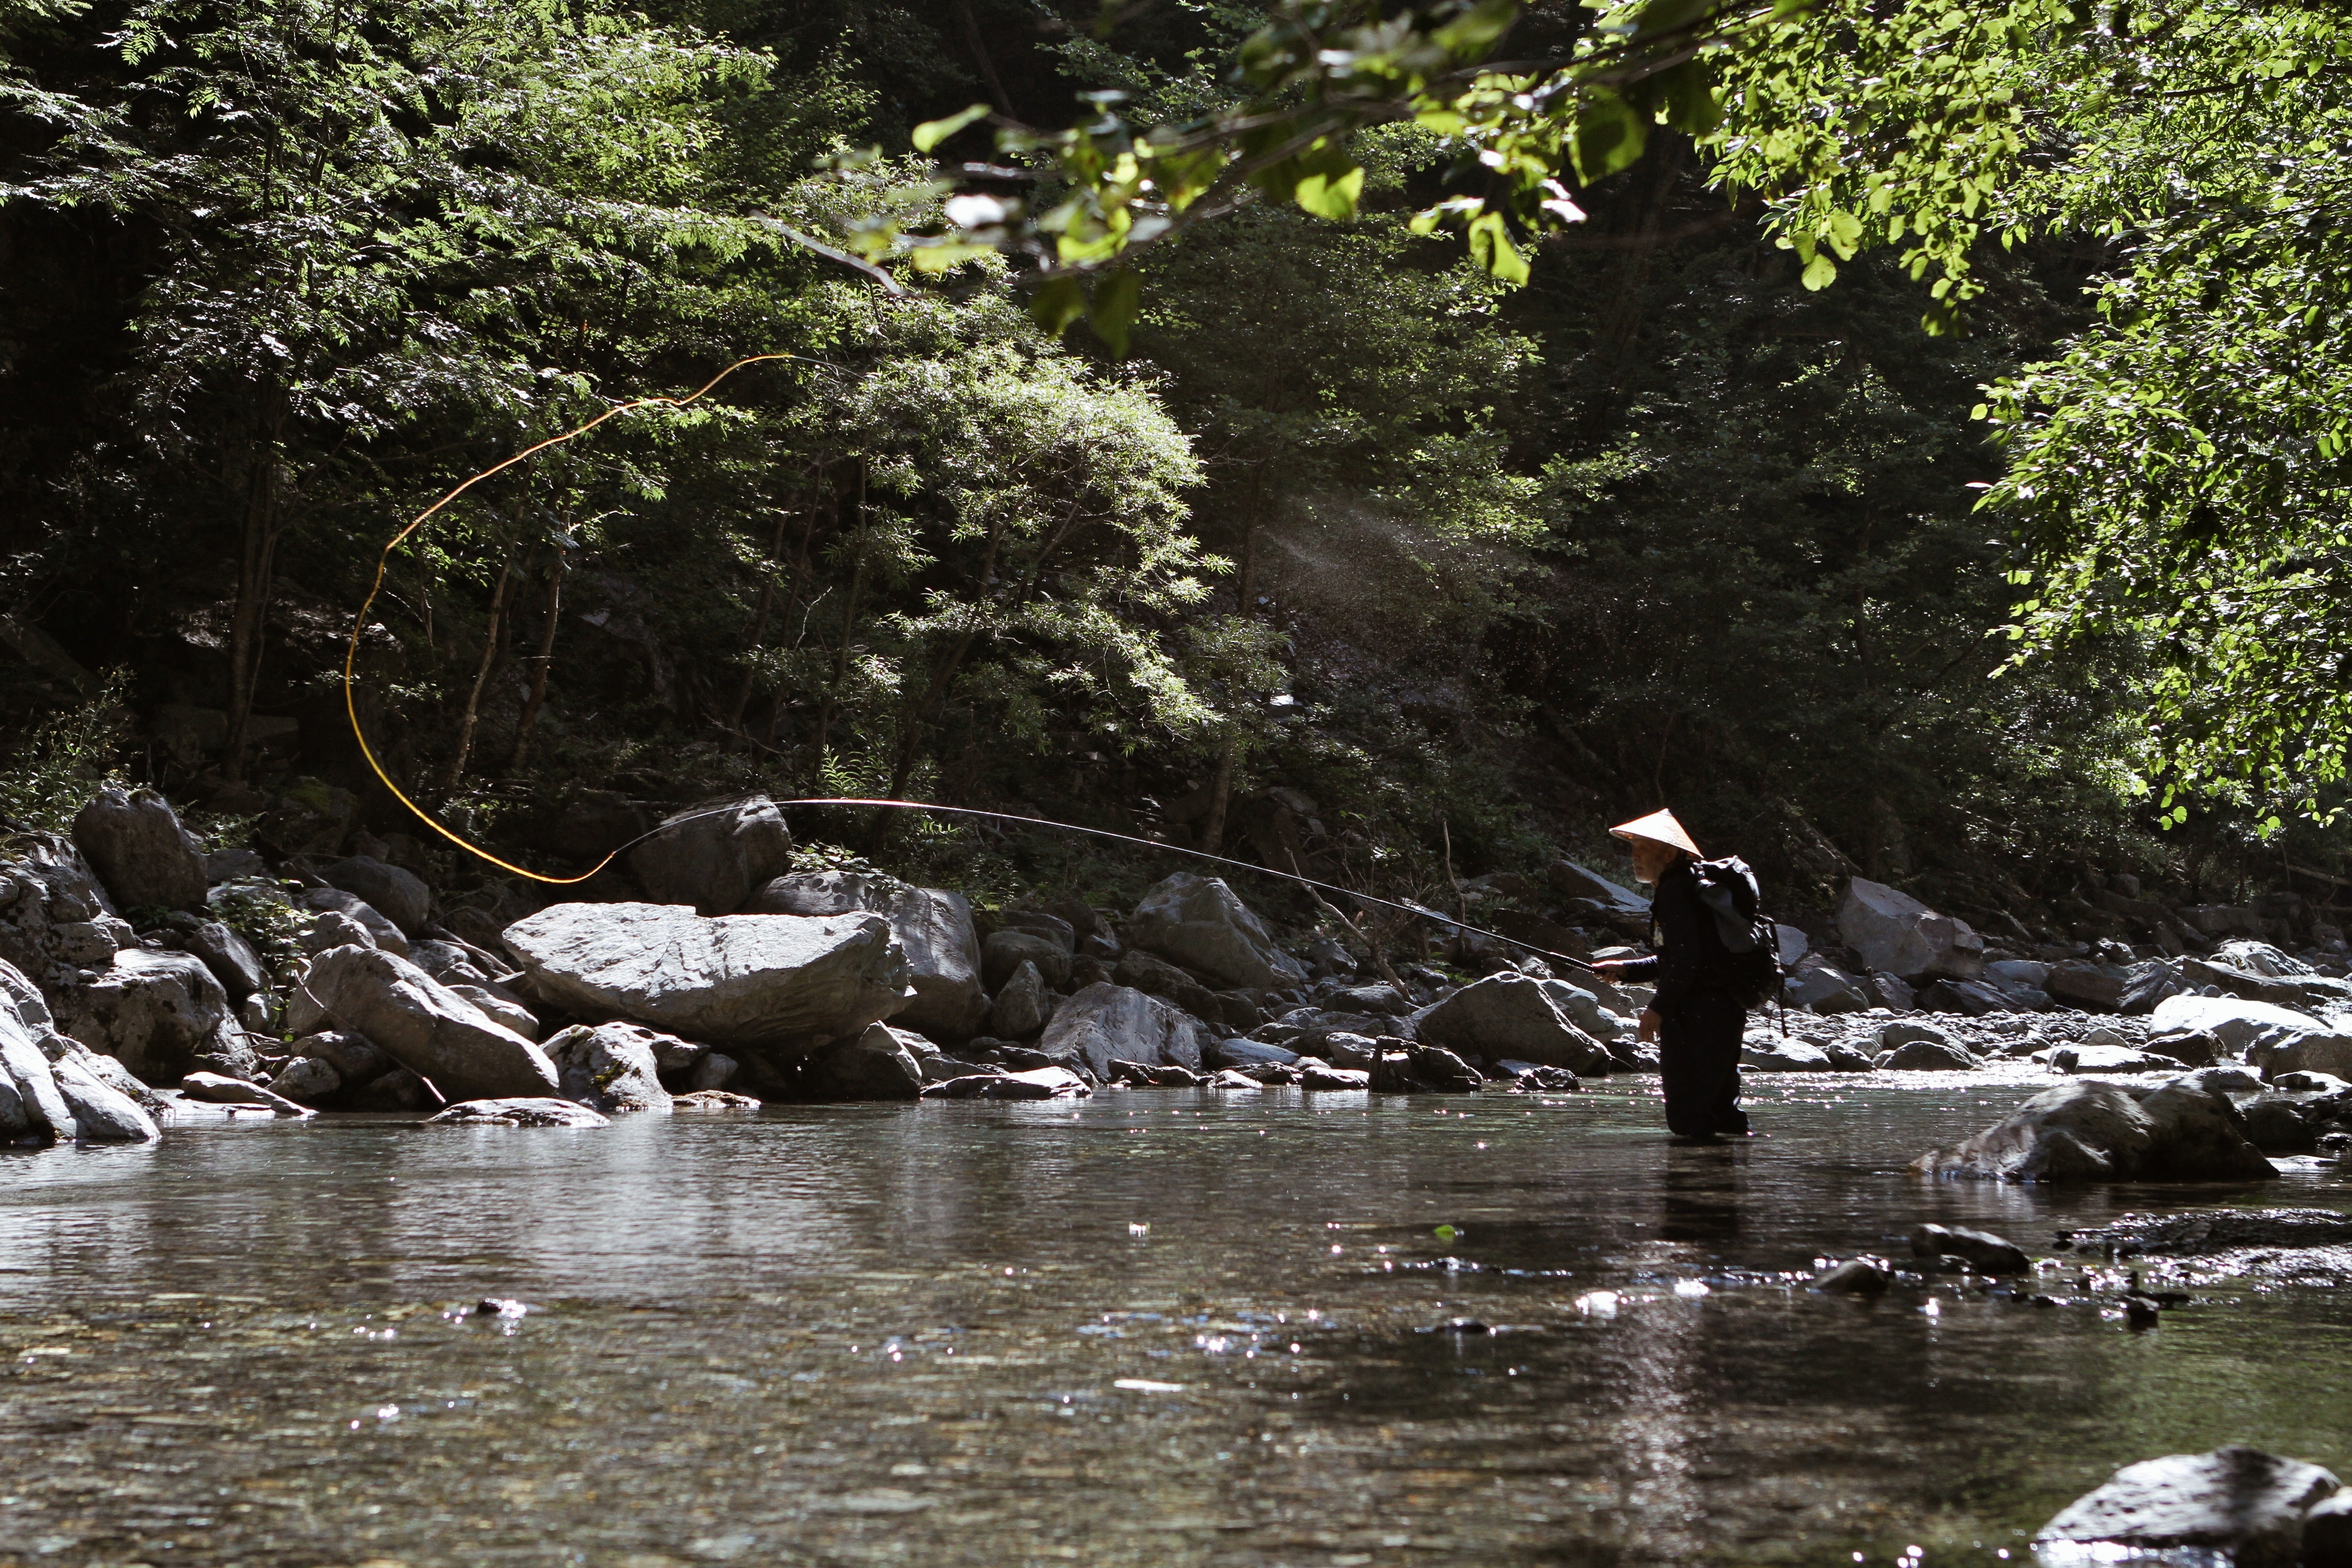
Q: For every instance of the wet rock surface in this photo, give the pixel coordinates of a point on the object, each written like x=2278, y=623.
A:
x=526, y=1112
x=2238, y=1500
x=2093, y=1130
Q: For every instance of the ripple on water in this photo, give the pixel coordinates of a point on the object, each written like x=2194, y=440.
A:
x=1162, y=1328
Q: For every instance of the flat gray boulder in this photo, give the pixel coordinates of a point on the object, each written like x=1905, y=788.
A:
x=2091, y=1131
x=1895, y=931
x=420, y=1023
x=154, y=1012
x=2241, y=1503
x=528, y=1111
x=140, y=850
x=1201, y=924
x=787, y=981
x=1510, y=1015
x=399, y=895
x=2243, y=1026
x=714, y=856
x=609, y=1066
x=932, y=924
x=1104, y=1023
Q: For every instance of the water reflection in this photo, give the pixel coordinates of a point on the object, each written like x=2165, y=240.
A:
x=1155, y=1328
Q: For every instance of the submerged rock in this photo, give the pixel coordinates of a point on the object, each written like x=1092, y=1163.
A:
x=2095, y=1131
x=712, y=1099
x=1854, y=1276
x=426, y=1028
x=786, y=982
x=1035, y=1083
x=2240, y=1501
x=2203, y=1232
x=1982, y=1250
x=531, y=1111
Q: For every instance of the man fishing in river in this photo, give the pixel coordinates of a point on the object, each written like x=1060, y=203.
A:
x=1700, y=1013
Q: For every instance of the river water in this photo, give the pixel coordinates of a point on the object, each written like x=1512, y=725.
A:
x=1157, y=1327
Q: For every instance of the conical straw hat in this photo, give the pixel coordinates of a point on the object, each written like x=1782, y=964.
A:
x=1660, y=827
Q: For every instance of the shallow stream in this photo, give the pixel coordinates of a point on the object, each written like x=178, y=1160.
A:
x=1157, y=1327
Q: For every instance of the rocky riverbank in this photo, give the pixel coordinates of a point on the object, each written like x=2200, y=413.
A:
x=147, y=980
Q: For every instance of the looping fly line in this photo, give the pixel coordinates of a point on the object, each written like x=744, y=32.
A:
x=383, y=567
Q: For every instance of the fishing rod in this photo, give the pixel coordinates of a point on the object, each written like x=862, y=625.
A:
x=383, y=567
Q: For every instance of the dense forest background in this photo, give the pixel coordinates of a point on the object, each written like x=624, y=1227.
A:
x=1355, y=557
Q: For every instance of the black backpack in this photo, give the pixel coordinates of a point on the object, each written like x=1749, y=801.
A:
x=1749, y=965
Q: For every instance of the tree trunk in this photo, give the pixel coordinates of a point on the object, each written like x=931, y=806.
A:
x=481, y=678
x=250, y=616
x=539, y=665
x=1212, y=832
x=759, y=626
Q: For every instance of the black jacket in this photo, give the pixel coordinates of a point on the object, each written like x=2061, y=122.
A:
x=1684, y=935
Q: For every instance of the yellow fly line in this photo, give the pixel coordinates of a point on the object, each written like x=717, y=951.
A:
x=383, y=565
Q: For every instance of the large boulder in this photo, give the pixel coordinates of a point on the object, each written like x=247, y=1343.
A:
x=2234, y=1505
x=2095, y=1131
x=1200, y=923
x=140, y=850
x=714, y=856
x=2244, y=1026
x=1895, y=931
x=2328, y=1052
x=418, y=1021
x=154, y=1012
x=1510, y=1017
x=776, y=982
x=54, y=918
x=1105, y=1024
x=399, y=895
x=933, y=925
x=609, y=1066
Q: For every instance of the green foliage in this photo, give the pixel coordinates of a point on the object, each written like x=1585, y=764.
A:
x=60, y=767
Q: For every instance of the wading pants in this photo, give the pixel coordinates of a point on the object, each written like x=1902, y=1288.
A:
x=1698, y=1051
